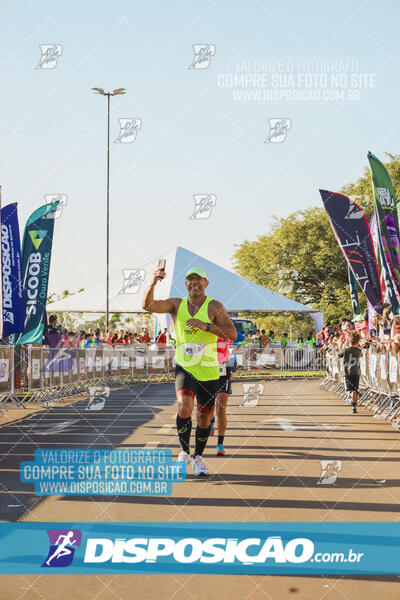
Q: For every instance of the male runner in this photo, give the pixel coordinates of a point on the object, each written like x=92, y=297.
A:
x=198, y=321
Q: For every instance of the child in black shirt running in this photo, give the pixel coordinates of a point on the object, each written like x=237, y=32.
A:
x=351, y=356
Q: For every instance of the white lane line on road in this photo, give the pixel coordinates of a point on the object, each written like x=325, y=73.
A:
x=284, y=423
x=165, y=429
x=288, y=426
x=59, y=427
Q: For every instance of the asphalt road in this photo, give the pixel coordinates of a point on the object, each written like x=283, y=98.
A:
x=272, y=472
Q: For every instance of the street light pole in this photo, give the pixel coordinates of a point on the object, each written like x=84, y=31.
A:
x=115, y=92
x=108, y=218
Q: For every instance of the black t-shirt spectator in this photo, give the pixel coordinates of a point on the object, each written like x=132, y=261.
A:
x=51, y=336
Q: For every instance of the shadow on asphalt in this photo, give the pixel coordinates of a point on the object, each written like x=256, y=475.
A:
x=244, y=502
x=71, y=426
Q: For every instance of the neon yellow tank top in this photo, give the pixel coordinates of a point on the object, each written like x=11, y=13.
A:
x=196, y=350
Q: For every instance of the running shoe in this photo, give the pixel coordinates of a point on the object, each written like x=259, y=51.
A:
x=184, y=457
x=354, y=408
x=220, y=450
x=199, y=466
x=212, y=427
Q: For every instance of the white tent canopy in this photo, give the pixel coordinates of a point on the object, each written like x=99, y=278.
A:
x=236, y=293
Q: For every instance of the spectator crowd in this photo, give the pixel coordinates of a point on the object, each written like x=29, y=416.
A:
x=56, y=336
x=382, y=332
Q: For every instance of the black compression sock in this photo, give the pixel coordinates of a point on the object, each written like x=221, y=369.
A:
x=221, y=439
x=184, y=427
x=201, y=439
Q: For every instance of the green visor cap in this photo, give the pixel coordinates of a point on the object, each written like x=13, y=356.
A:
x=196, y=271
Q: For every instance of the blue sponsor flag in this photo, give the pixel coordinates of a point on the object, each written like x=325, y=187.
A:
x=13, y=294
x=36, y=254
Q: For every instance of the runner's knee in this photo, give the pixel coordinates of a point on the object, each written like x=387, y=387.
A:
x=221, y=402
x=204, y=415
x=185, y=403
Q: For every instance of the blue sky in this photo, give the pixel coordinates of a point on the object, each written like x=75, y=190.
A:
x=196, y=137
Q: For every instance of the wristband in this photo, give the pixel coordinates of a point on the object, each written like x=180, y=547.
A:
x=208, y=326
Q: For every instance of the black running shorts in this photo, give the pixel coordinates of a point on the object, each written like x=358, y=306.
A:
x=205, y=391
x=225, y=382
x=352, y=382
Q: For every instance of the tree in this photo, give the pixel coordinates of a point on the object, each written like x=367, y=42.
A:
x=300, y=257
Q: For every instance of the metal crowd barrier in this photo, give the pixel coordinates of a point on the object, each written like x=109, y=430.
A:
x=379, y=389
x=7, y=379
x=42, y=374
x=253, y=359
x=52, y=373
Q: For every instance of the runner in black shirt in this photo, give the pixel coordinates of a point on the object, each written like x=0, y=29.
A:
x=351, y=356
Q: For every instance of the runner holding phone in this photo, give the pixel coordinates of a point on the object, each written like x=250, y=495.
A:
x=198, y=320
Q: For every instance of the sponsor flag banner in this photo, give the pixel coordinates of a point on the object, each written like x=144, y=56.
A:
x=353, y=292
x=13, y=295
x=386, y=219
x=36, y=254
x=1, y=286
x=385, y=279
x=225, y=548
x=354, y=238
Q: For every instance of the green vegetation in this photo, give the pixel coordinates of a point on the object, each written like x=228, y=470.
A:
x=300, y=258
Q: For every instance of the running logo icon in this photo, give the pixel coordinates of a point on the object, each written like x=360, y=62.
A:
x=354, y=213
x=278, y=130
x=329, y=471
x=50, y=55
x=203, y=205
x=62, y=202
x=251, y=394
x=132, y=280
x=62, y=542
x=98, y=397
x=286, y=280
x=128, y=129
x=8, y=317
x=203, y=54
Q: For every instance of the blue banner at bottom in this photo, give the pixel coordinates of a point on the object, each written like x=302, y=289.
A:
x=224, y=548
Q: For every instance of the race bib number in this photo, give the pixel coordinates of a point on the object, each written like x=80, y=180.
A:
x=222, y=369
x=193, y=349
